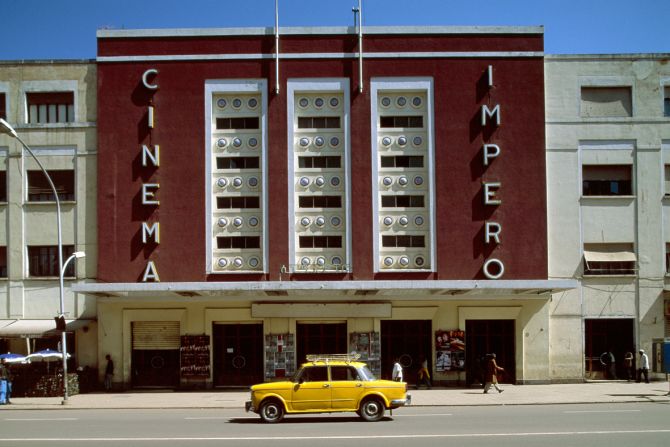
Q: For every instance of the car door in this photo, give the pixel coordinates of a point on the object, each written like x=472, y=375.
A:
x=347, y=387
x=312, y=390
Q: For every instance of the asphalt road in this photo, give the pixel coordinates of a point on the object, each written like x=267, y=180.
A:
x=611, y=425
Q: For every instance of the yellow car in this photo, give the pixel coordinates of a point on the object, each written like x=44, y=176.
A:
x=328, y=384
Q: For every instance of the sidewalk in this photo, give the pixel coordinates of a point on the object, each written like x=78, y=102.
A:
x=592, y=392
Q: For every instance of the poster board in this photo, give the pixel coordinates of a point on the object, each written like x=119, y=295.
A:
x=449, y=350
x=367, y=345
x=194, y=356
x=279, y=356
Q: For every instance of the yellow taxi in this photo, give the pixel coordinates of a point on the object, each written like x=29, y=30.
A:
x=328, y=384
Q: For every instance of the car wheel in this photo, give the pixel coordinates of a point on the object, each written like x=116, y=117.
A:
x=372, y=410
x=271, y=412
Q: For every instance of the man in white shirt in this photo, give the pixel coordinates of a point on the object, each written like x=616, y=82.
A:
x=397, y=371
x=643, y=367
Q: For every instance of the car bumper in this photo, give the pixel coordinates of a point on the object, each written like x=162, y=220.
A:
x=248, y=406
x=402, y=402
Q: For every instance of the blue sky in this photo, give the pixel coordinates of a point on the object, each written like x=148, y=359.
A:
x=66, y=29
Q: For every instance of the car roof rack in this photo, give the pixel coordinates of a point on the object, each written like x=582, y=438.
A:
x=333, y=357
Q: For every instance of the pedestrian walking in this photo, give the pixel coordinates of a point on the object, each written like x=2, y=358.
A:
x=644, y=367
x=397, y=371
x=491, y=374
x=109, y=373
x=423, y=376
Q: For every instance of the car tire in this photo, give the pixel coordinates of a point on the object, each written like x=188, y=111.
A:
x=372, y=410
x=271, y=411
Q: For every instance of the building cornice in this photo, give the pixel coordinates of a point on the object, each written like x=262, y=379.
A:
x=288, y=31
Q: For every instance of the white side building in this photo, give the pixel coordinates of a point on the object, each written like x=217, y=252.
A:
x=608, y=188
x=52, y=106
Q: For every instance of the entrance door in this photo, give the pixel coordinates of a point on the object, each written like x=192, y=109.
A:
x=155, y=355
x=407, y=340
x=485, y=337
x=320, y=338
x=238, y=354
x=605, y=334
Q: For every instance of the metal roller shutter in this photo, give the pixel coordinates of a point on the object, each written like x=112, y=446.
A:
x=156, y=335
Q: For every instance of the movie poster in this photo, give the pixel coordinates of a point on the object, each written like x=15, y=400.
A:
x=450, y=351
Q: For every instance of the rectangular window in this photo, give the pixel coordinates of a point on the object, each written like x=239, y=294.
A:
x=237, y=162
x=237, y=123
x=318, y=122
x=666, y=192
x=241, y=202
x=403, y=241
x=667, y=258
x=3, y=262
x=402, y=202
x=39, y=189
x=606, y=102
x=666, y=100
x=319, y=162
x=402, y=161
x=50, y=107
x=320, y=202
x=609, y=259
x=339, y=373
x=3, y=106
x=43, y=261
x=3, y=186
x=401, y=121
x=238, y=242
x=320, y=241
x=607, y=180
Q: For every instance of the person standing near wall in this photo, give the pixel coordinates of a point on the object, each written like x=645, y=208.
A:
x=628, y=364
x=109, y=373
x=396, y=375
x=6, y=376
x=644, y=367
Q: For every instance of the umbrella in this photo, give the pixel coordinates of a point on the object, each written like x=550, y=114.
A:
x=46, y=355
x=12, y=358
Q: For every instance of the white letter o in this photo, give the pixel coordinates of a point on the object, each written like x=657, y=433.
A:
x=501, y=269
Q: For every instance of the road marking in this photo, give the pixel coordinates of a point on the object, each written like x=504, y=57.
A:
x=420, y=415
x=603, y=411
x=351, y=437
x=40, y=419
x=206, y=418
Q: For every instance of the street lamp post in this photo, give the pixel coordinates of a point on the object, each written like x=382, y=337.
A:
x=6, y=128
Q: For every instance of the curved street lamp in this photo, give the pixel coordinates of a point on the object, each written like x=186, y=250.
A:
x=6, y=128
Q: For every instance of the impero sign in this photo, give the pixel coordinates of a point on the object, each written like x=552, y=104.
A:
x=493, y=268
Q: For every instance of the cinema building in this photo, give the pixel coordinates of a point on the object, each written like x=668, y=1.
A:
x=263, y=196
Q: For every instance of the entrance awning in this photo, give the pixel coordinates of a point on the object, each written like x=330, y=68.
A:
x=37, y=328
x=327, y=290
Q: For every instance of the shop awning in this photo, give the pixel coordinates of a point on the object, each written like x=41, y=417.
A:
x=37, y=328
x=614, y=256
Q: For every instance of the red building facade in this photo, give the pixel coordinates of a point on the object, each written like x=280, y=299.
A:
x=297, y=204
